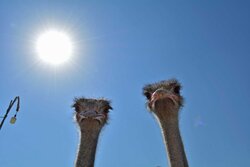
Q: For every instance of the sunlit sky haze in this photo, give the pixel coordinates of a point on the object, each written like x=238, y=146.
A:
x=54, y=47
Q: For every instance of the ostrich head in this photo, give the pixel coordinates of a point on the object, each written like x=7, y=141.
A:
x=164, y=96
x=91, y=112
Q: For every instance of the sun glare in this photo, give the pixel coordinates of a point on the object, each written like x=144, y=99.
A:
x=54, y=47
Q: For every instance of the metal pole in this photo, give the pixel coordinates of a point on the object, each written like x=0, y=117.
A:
x=9, y=108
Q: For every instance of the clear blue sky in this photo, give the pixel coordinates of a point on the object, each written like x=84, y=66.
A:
x=122, y=45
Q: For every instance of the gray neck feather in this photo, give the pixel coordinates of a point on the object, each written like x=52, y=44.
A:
x=87, y=148
x=173, y=142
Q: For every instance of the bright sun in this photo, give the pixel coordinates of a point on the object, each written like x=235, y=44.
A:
x=54, y=47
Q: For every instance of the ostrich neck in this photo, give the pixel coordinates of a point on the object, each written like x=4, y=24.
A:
x=87, y=147
x=173, y=141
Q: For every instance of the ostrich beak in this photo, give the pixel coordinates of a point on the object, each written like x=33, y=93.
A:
x=160, y=94
x=91, y=115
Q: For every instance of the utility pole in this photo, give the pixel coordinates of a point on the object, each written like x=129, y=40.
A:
x=13, y=119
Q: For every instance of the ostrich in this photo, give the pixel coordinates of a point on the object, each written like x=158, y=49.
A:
x=91, y=115
x=165, y=101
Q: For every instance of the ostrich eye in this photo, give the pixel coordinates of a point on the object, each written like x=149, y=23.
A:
x=148, y=95
x=77, y=108
x=177, y=89
x=106, y=110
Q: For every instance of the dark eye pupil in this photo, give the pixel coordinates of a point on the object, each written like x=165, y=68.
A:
x=177, y=90
x=77, y=108
x=148, y=95
x=106, y=110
